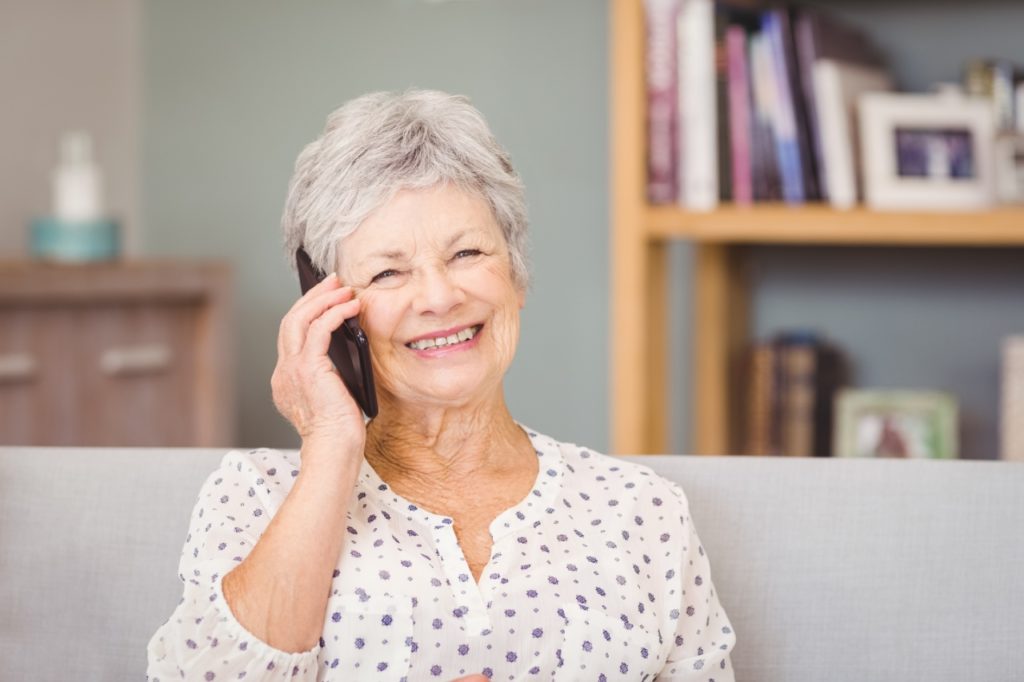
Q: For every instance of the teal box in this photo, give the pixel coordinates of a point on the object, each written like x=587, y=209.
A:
x=57, y=240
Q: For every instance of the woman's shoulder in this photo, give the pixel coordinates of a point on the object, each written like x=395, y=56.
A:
x=268, y=467
x=594, y=473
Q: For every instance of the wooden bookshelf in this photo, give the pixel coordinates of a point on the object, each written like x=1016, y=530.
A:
x=640, y=234
x=817, y=224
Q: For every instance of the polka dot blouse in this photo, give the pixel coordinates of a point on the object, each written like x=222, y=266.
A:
x=598, y=574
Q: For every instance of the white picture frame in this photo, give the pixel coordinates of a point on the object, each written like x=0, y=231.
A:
x=927, y=152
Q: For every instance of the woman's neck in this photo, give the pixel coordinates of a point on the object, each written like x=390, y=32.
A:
x=445, y=446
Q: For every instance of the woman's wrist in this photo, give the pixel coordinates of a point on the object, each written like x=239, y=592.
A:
x=331, y=455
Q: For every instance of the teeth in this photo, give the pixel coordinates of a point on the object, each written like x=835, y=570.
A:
x=442, y=341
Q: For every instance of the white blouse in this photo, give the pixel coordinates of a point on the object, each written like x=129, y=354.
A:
x=598, y=574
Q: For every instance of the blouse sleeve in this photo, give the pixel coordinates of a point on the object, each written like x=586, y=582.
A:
x=202, y=640
x=703, y=635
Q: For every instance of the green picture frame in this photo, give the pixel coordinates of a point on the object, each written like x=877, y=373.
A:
x=896, y=423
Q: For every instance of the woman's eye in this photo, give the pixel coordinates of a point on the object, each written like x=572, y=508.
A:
x=466, y=253
x=383, y=275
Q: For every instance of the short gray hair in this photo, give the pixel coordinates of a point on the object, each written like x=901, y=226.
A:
x=380, y=143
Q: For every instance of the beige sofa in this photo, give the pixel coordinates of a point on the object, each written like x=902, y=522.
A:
x=831, y=570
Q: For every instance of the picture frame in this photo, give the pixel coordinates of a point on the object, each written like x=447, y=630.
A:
x=888, y=423
x=927, y=152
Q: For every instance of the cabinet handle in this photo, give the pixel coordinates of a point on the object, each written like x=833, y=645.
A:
x=135, y=360
x=16, y=367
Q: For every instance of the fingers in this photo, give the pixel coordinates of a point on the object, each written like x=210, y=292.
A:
x=318, y=337
x=296, y=322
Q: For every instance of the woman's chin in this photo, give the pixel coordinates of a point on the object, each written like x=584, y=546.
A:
x=445, y=395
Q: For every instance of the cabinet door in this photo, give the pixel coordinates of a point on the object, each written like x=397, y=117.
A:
x=38, y=377
x=100, y=374
x=136, y=374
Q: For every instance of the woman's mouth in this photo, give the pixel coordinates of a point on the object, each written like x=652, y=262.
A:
x=455, y=339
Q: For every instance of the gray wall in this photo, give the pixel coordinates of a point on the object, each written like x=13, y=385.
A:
x=235, y=88
x=66, y=65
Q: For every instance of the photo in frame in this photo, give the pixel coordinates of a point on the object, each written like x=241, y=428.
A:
x=927, y=152
x=886, y=423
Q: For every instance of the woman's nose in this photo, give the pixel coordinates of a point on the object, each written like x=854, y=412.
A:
x=437, y=292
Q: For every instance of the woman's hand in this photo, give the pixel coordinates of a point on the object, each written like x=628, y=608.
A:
x=307, y=388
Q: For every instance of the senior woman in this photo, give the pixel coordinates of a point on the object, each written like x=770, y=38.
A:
x=441, y=539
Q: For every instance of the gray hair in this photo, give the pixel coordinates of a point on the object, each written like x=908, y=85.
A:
x=383, y=142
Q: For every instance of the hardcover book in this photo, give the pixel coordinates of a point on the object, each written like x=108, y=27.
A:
x=798, y=183
x=817, y=36
x=662, y=101
x=837, y=87
x=765, y=166
x=792, y=382
x=739, y=115
x=696, y=42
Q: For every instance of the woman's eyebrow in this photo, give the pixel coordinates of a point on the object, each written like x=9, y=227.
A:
x=398, y=254
x=455, y=238
x=387, y=255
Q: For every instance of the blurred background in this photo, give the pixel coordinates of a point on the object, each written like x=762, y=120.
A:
x=197, y=110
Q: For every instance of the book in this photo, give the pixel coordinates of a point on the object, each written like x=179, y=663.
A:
x=837, y=87
x=765, y=168
x=811, y=374
x=797, y=364
x=1011, y=403
x=761, y=420
x=738, y=18
x=662, y=101
x=699, y=123
x=790, y=129
x=792, y=380
x=818, y=36
x=739, y=115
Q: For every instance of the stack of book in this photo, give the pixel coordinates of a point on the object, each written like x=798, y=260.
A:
x=792, y=380
x=748, y=105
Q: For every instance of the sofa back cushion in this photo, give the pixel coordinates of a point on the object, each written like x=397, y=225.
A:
x=89, y=546
x=836, y=570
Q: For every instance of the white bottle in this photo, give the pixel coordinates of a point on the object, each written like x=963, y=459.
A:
x=77, y=181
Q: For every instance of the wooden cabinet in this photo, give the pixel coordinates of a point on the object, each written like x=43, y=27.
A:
x=128, y=354
x=720, y=325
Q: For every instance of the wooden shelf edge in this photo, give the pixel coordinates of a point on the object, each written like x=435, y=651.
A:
x=810, y=224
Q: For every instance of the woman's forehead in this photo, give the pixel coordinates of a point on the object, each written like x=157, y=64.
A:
x=435, y=216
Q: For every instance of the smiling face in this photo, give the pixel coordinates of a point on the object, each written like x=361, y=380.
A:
x=439, y=304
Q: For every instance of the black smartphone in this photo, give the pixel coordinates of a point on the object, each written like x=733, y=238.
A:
x=349, y=349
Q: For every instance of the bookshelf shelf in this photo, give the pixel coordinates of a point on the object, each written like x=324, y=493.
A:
x=781, y=224
x=720, y=324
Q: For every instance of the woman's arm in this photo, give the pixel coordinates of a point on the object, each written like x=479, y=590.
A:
x=256, y=593
x=703, y=637
x=202, y=639
x=279, y=592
